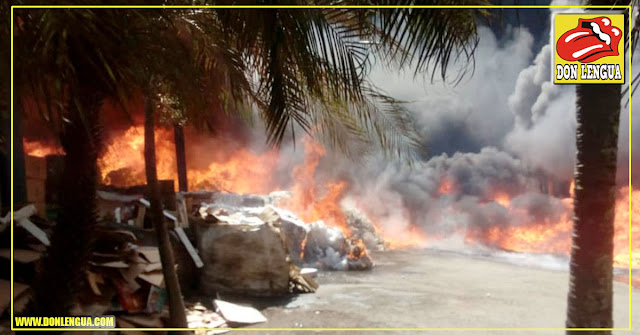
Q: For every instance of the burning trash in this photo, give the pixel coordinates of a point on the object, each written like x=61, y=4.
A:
x=124, y=278
x=252, y=246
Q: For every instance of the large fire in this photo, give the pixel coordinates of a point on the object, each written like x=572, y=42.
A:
x=241, y=170
x=555, y=237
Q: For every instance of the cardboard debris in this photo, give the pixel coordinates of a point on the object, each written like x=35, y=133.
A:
x=38, y=247
x=199, y=316
x=150, y=254
x=301, y=283
x=115, y=265
x=100, y=257
x=131, y=273
x=139, y=221
x=94, y=279
x=155, y=278
x=117, y=197
x=143, y=321
x=121, y=323
x=156, y=299
x=244, y=259
x=21, y=255
x=239, y=314
x=293, y=229
x=20, y=302
x=311, y=272
x=123, y=277
x=153, y=267
x=129, y=298
x=5, y=293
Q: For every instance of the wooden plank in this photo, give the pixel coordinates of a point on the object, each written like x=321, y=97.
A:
x=190, y=249
x=35, y=167
x=35, y=190
x=35, y=231
x=21, y=255
x=5, y=293
x=22, y=213
x=154, y=278
x=142, y=210
x=181, y=208
x=151, y=254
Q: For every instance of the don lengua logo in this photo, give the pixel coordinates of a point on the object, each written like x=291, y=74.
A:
x=588, y=48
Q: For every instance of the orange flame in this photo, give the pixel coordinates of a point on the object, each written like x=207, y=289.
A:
x=311, y=202
x=554, y=237
x=404, y=239
x=38, y=149
x=244, y=171
x=503, y=199
x=445, y=187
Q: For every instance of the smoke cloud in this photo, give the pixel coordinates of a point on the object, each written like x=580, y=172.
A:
x=505, y=130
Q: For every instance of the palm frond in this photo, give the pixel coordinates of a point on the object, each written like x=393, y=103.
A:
x=428, y=40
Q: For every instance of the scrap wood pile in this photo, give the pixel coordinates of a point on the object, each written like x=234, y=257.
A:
x=233, y=244
x=248, y=261
x=31, y=239
x=123, y=279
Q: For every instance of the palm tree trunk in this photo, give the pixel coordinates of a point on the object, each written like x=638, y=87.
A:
x=56, y=287
x=19, y=173
x=181, y=158
x=590, y=291
x=177, y=316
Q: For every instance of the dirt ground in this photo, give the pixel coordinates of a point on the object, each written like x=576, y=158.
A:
x=431, y=289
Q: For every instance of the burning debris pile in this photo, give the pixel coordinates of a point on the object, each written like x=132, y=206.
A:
x=255, y=247
x=31, y=239
x=124, y=278
x=248, y=244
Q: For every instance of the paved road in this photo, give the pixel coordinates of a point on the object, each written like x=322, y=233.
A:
x=429, y=289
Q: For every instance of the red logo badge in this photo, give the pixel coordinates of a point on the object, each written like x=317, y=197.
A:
x=592, y=39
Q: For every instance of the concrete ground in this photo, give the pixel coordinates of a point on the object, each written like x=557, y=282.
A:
x=431, y=289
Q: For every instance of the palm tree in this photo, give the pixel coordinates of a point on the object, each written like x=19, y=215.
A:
x=112, y=54
x=19, y=194
x=201, y=32
x=180, y=81
x=83, y=57
x=176, y=305
x=63, y=65
x=590, y=299
x=311, y=64
x=590, y=290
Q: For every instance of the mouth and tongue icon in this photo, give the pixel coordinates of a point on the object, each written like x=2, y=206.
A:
x=592, y=39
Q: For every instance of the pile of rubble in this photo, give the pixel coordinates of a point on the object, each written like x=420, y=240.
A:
x=31, y=239
x=240, y=244
x=257, y=248
x=124, y=278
